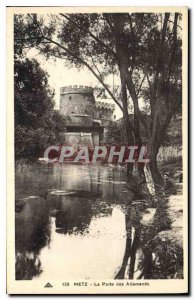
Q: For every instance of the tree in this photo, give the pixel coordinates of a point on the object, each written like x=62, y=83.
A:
x=157, y=55
x=143, y=49
x=115, y=134
x=33, y=97
x=36, y=124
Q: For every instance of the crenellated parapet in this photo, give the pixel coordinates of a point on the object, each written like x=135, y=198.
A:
x=76, y=89
x=104, y=110
x=104, y=105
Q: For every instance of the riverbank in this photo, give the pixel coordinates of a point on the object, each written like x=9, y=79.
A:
x=162, y=229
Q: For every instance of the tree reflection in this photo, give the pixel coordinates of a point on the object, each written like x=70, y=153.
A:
x=28, y=265
x=74, y=212
x=32, y=234
x=132, y=221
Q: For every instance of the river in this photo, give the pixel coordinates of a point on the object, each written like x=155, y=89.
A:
x=81, y=222
x=70, y=221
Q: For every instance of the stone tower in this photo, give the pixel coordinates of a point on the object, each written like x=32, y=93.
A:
x=86, y=120
x=77, y=105
x=77, y=100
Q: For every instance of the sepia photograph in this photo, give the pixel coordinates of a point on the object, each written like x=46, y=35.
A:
x=97, y=150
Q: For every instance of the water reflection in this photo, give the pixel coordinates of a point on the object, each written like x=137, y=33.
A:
x=32, y=234
x=72, y=222
x=74, y=213
x=93, y=254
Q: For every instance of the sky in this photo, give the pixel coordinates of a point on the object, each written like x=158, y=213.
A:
x=60, y=76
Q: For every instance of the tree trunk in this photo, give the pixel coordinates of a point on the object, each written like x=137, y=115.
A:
x=128, y=129
x=157, y=178
x=122, y=52
x=130, y=139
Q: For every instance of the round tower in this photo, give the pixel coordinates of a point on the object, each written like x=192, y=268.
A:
x=77, y=100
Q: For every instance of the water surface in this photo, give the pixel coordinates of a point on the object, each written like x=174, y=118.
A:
x=70, y=221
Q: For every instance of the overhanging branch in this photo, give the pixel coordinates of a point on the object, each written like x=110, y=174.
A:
x=92, y=35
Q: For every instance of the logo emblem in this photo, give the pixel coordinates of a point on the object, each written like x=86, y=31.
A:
x=48, y=285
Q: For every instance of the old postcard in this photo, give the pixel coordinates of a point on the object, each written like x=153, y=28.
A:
x=97, y=187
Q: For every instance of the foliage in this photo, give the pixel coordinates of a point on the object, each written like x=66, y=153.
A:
x=115, y=135
x=36, y=123
x=33, y=97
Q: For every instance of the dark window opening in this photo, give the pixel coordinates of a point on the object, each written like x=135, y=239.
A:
x=70, y=97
